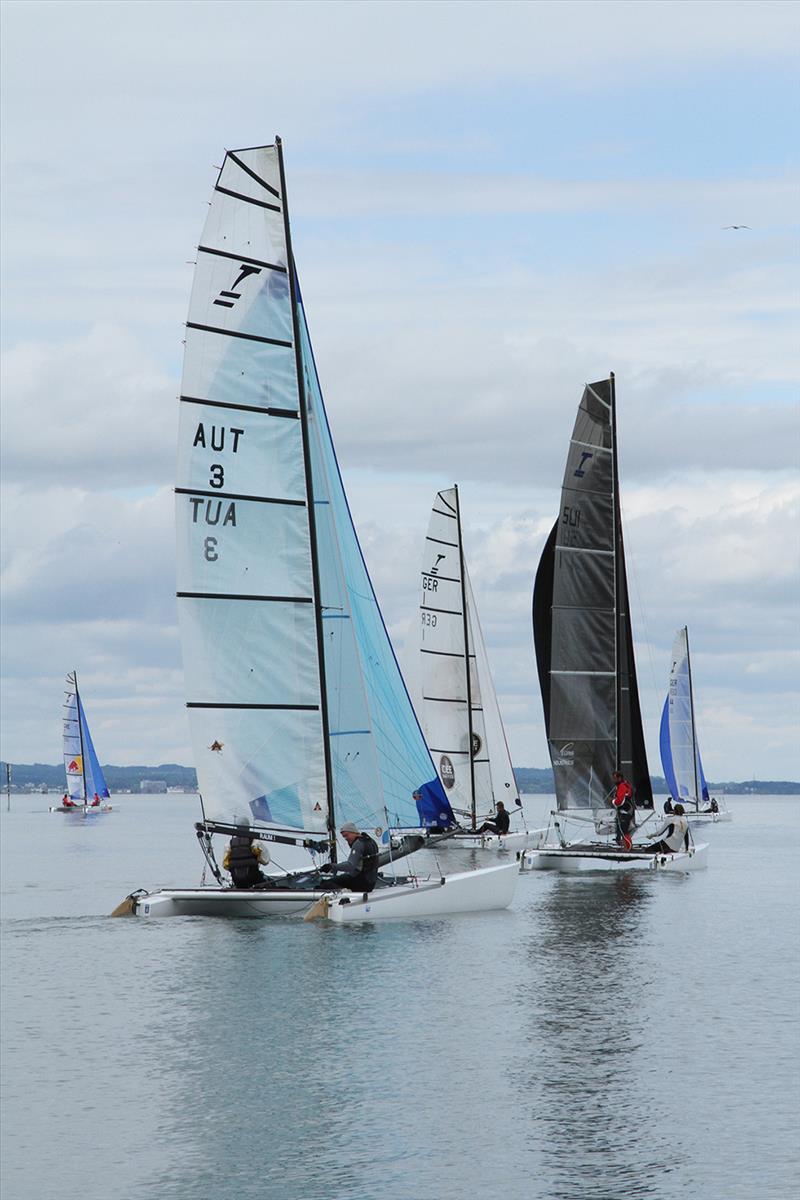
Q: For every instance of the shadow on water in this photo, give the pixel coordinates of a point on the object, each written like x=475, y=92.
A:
x=587, y=1078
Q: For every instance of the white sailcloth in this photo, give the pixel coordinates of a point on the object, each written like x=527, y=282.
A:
x=459, y=710
x=245, y=581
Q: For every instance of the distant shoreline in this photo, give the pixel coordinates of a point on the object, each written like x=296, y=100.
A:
x=532, y=781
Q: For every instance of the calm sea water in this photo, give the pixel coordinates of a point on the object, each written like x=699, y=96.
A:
x=612, y=1038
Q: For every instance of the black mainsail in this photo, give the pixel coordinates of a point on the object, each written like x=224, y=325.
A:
x=582, y=625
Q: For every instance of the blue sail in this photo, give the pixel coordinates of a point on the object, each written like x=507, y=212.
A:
x=379, y=757
x=666, y=752
x=95, y=779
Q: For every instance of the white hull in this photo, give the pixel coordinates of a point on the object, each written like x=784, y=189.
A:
x=553, y=858
x=521, y=839
x=82, y=810
x=469, y=891
x=707, y=818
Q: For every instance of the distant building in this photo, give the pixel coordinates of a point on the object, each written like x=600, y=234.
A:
x=153, y=785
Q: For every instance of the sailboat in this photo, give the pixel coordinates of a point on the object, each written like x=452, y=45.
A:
x=458, y=703
x=87, y=792
x=585, y=660
x=299, y=716
x=680, y=752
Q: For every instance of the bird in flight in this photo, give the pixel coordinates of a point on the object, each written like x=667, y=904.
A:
x=735, y=226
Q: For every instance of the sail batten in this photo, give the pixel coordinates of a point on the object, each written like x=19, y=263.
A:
x=458, y=704
x=582, y=630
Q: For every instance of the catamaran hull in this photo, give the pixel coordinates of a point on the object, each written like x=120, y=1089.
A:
x=81, y=810
x=519, y=840
x=469, y=891
x=577, y=861
x=707, y=818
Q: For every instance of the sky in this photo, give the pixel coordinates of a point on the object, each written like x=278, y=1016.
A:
x=491, y=204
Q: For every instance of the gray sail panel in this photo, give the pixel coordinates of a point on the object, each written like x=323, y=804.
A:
x=582, y=734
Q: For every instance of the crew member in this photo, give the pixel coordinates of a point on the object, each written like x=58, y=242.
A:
x=674, y=833
x=360, y=872
x=66, y=802
x=499, y=824
x=623, y=803
x=668, y=805
x=96, y=802
x=242, y=858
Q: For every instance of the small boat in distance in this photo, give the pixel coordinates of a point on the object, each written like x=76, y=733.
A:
x=87, y=793
x=586, y=665
x=457, y=700
x=680, y=751
x=300, y=718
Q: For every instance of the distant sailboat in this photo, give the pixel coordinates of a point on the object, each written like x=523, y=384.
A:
x=680, y=751
x=458, y=704
x=585, y=658
x=87, y=793
x=299, y=715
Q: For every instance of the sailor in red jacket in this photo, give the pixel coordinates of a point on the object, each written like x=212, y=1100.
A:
x=626, y=809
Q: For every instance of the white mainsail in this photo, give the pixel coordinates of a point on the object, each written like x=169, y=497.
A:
x=299, y=714
x=680, y=752
x=458, y=707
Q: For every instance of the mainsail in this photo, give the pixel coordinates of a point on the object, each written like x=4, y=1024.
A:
x=458, y=702
x=298, y=712
x=85, y=778
x=582, y=626
x=680, y=752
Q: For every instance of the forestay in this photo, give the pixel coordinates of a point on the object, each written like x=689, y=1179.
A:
x=582, y=627
x=680, y=752
x=268, y=563
x=459, y=708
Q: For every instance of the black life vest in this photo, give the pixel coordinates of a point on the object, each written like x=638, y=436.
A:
x=242, y=863
x=502, y=821
x=365, y=879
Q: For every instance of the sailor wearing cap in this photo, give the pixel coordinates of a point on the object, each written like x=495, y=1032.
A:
x=360, y=872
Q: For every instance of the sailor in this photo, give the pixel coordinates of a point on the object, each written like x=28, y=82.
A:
x=668, y=805
x=96, y=802
x=500, y=823
x=674, y=833
x=242, y=858
x=66, y=802
x=623, y=803
x=360, y=872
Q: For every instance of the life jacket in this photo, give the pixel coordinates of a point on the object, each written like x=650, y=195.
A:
x=366, y=878
x=242, y=863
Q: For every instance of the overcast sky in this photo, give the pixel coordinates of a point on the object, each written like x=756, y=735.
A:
x=492, y=203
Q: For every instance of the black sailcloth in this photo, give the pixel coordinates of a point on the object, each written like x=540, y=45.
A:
x=582, y=627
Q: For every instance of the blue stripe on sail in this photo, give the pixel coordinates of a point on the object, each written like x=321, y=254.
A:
x=95, y=780
x=666, y=752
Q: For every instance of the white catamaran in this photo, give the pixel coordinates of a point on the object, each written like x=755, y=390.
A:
x=458, y=703
x=299, y=715
x=585, y=660
x=680, y=752
x=87, y=793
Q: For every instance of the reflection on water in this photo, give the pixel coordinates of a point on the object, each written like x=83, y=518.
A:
x=588, y=1082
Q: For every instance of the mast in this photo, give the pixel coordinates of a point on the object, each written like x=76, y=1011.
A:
x=466, y=663
x=312, y=528
x=691, y=711
x=80, y=734
x=617, y=570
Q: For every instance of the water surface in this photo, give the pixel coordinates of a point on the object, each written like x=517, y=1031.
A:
x=610, y=1037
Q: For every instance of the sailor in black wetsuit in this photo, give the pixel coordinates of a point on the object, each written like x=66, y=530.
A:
x=500, y=823
x=242, y=859
x=360, y=872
